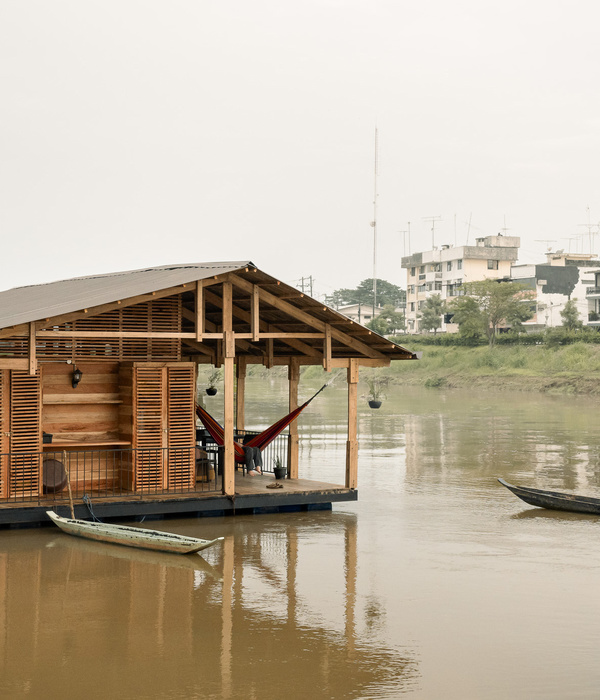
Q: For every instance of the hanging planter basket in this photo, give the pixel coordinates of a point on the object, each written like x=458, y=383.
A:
x=374, y=404
x=212, y=390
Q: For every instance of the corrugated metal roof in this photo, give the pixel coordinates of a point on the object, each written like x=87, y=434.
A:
x=25, y=304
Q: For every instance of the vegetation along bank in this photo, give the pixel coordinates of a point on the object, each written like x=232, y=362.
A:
x=564, y=365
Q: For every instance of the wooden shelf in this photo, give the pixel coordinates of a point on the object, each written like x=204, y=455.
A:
x=79, y=444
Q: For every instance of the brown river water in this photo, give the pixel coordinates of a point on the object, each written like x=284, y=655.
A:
x=438, y=583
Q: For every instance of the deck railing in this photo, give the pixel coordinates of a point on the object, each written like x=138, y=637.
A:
x=41, y=477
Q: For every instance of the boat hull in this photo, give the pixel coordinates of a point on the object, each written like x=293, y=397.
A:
x=554, y=500
x=131, y=536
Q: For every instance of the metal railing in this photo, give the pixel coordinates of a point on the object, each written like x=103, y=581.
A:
x=44, y=477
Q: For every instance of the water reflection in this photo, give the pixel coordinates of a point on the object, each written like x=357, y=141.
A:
x=433, y=584
x=271, y=613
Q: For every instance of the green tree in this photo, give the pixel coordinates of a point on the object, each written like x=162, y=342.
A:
x=469, y=317
x=387, y=293
x=395, y=319
x=570, y=316
x=379, y=324
x=431, y=315
x=489, y=303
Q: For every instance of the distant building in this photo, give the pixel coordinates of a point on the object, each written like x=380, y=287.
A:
x=562, y=277
x=360, y=313
x=444, y=270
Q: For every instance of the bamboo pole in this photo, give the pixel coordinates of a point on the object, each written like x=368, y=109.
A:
x=66, y=466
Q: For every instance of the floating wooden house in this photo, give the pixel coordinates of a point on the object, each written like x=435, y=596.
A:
x=98, y=388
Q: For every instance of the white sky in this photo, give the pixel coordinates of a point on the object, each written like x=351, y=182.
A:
x=139, y=132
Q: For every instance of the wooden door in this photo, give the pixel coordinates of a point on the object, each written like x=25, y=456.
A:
x=25, y=435
x=163, y=430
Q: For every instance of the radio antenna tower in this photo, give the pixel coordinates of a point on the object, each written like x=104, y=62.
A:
x=374, y=225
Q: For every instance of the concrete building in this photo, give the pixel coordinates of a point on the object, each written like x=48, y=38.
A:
x=443, y=270
x=360, y=313
x=562, y=277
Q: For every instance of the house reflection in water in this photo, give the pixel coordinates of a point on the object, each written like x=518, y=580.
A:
x=255, y=620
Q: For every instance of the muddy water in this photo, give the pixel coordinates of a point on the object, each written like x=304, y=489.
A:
x=437, y=583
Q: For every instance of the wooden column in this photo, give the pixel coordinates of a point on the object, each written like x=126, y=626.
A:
x=228, y=362
x=32, y=352
x=352, y=443
x=199, y=310
x=240, y=399
x=294, y=380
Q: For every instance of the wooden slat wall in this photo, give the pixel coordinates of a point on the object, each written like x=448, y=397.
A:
x=126, y=422
x=84, y=413
x=26, y=434
x=149, y=426
x=158, y=316
x=181, y=426
x=4, y=430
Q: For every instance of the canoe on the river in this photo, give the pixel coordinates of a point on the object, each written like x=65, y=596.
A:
x=131, y=536
x=555, y=500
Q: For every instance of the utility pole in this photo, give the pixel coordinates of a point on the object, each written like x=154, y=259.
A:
x=309, y=281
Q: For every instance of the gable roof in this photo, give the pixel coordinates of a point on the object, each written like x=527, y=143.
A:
x=285, y=308
x=35, y=302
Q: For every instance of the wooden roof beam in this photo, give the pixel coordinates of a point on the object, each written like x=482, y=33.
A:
x=306, y=318
x=246, y=317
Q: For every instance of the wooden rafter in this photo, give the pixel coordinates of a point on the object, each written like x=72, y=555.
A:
x=306, y=318
x=246, y=317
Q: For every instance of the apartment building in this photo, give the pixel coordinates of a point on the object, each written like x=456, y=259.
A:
x=445, y=269
x=562, y=277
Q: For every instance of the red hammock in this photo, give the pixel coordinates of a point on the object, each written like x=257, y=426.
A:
x=262, y=439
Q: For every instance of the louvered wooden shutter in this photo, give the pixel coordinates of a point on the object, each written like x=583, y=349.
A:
x=25, y=434
x=4, y=430
x=181, y=426
x=149, y=428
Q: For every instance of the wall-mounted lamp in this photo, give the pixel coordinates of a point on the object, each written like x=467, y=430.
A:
x=77, y=374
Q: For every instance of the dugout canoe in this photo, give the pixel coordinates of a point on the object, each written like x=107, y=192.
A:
x=554, y=500
x=131, y=536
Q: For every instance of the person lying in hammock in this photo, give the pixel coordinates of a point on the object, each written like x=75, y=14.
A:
x=253, y=457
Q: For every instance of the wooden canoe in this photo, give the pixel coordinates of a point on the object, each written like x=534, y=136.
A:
x=131, y=536
x=555, y=500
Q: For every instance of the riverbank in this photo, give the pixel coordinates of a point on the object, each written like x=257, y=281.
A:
x=570, y=369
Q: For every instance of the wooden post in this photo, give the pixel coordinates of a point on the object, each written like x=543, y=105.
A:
x=255, y=314
x=240, y=399
x=294, y=380
x=228, y=362
x=269, y=357
x=199, y=311
x=327, y=349
x=32, y=352
x=66, y=466
x=352, y=443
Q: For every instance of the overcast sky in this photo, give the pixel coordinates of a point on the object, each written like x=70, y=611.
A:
x=138, y=132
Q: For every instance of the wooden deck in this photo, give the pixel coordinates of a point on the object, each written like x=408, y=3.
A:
x=251, y=496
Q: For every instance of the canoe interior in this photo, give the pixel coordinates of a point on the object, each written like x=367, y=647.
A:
x=131, y=536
